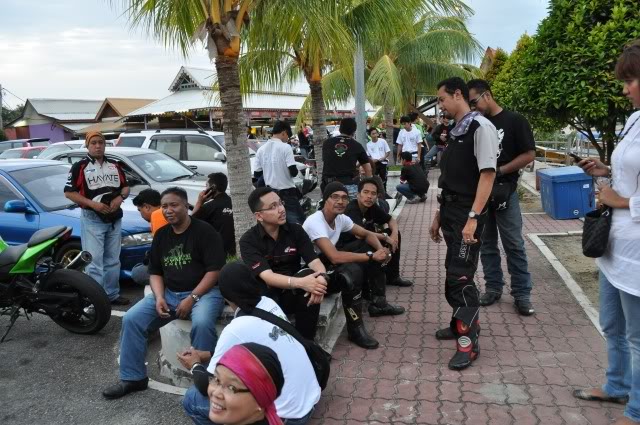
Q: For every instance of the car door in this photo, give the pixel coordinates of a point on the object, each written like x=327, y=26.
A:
x=15, y=228
x=200, y=155
x=169, y=144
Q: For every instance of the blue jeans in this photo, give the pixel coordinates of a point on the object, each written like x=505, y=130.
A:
x=291, y=201
x=197, y=407
x=352, y=190
x=509, y=224
x=405, y=190
x=432, y=152
x=620, y=322
x=103, y=241
x=143, y=319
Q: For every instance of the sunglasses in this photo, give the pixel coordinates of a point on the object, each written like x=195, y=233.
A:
x=474, y=102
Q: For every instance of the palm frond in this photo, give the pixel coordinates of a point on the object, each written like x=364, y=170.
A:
x=385, y=84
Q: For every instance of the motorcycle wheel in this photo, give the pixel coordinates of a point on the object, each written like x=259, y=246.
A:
x=89, y=312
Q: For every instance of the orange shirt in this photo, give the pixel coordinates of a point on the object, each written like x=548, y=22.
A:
x=157, y=220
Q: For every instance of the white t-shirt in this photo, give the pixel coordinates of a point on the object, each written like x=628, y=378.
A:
x=378, y=150
x=273, y=159
x=301, y=390
x=409, y=140
x=317, y=227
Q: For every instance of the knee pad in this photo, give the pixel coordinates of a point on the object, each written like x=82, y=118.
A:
x=350, y=277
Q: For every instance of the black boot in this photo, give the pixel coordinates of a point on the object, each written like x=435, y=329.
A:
x=447, y=333
x=467, y=346
x=399, y=281
x=380, y=307
x=356, y=331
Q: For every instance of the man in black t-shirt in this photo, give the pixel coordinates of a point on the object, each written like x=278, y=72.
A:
x=274, y=250
x=517, y=149
x=340, y=155
x=186, y=257
x=365, y=212
x=214, y=207
x=413, y=181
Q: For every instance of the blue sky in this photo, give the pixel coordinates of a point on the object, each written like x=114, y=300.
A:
x=84, y=49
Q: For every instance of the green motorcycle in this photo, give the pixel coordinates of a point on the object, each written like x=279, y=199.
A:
x=30, y=281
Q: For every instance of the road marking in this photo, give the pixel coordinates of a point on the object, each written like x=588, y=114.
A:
x=566, y=277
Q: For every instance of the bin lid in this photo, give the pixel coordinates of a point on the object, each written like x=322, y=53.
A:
x=564, y=174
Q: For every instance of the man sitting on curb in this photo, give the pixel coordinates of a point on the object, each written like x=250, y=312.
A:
x=364, y=210
x=324, y=228
x=148, y=204
x=184, y=264
x=301, y=390
x=273, y=249
x=413, y=182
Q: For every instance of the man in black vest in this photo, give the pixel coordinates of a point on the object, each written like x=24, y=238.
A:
x=466, y=179
x=517, y=149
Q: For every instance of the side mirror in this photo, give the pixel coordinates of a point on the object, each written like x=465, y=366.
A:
x=16, y=206
x=219, y=156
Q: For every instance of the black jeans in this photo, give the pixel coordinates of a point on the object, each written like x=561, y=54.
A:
x=381, y=170
x=392, y=270
x=294, y=302
x=461, y=261
x=374, y=273
x=291, y=200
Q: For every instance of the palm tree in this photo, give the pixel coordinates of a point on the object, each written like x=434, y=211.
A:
x=180, y=24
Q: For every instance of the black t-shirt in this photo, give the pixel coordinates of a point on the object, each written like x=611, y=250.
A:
x=340, y=155
x=515, y=136
x=414, y=175
x=260, y=252
x=396, y=133
x=438, y=131
x=218, y=212
x=368, y=219
x=182, y=260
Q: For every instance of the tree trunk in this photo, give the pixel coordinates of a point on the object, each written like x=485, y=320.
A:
x=388, y=125
x=318, y=118
x=238, y=164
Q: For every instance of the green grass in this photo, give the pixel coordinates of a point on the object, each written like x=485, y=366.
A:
x=394, y=167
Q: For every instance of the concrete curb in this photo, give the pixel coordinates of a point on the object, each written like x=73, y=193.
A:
x=566, y=277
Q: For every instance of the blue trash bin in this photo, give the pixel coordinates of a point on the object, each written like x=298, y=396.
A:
x=566, y=192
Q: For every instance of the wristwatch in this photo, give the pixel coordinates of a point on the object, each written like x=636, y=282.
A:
x=195, y=297
x=370, y=255
x=123, y=197
x=473, y=215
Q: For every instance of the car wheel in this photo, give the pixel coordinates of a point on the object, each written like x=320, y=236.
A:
x=67, y=252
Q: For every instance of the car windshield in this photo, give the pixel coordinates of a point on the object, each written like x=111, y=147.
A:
x=11, y=154
x=45, y=185
x=160, y=167
x=131, y=141
x=54, y=149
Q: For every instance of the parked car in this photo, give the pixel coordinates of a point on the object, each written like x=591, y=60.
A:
x=23, y=143
x=58, y=147
x=22, y=153
x=32, y=198
x=146, y=168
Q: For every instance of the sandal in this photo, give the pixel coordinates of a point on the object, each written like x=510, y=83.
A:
x=587, y=395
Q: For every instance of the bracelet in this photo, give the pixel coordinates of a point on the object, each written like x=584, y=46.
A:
x=290, y=285
x=194, y=366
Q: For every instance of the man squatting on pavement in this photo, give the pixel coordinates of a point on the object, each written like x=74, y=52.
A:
x=353, y=263
x=466, y=179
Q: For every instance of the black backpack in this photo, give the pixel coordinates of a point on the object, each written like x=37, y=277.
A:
x=320, y=359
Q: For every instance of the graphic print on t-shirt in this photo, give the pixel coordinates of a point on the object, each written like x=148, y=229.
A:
x=341, y=149
x=500, y=137
x=176, y=257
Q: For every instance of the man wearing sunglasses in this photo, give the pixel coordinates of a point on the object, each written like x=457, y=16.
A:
x=276, y=164
x=348, y=268
x=517, y=149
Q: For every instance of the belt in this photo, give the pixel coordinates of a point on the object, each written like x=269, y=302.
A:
x=450, y=197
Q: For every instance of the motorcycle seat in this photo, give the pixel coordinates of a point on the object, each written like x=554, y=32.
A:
x=12, y=254
x=44, y=235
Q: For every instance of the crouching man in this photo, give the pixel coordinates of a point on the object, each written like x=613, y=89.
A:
x=324, y=228
x=364, y=211
x=185, y=260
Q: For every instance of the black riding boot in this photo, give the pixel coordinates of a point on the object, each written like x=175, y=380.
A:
x=355, y=326
x=468, y=336
x=379, y=305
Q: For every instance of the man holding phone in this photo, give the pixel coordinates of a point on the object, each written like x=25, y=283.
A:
x=186, y=257
x=214, y=207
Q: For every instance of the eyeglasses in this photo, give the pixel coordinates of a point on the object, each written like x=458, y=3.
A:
x=337, y=198
x=226, y=389
x=474, y=102
x=272, y=207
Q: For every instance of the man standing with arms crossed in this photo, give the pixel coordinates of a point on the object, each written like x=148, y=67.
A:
x=276, y=164
x=466, y=179
x=409, y=139
x=517, y=149
x=378, y=151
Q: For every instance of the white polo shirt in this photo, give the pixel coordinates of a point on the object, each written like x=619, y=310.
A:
x=273, y=159
x=301, y=390
x=378, y=149
x=409, y=139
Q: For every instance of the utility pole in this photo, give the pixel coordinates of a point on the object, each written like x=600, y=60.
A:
x=361, y=113
x=1, y=123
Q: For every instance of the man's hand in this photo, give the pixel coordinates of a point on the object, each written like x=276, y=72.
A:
x=115, y=203
x=434, y=231
x=202, y=196
x=313, y=284
x=469, y=231
x=184, y=308
x=393, y=241
x=101, y=208
x=381, y=255
x=314, y=299
x=594, y=167
x=190, y=357
x=162, y=308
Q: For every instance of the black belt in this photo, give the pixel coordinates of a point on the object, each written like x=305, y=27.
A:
x=449, y=197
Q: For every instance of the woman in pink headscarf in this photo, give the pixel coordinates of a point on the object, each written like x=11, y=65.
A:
x=247, y=380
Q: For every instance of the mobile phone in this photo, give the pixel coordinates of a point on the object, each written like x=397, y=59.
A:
x=575, y=157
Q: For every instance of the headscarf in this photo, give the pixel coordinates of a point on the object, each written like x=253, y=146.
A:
x=91, y=134
x=332, y=188
x=238, y=285
x=258, y=367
